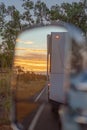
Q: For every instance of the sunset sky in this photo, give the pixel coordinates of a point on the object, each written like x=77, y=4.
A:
x=31, y=49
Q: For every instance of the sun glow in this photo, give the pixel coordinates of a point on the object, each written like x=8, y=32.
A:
x=32, y=64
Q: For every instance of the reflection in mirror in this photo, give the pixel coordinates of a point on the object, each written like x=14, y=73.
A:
x=45, y=61
x=30, y=62
x=31, y=71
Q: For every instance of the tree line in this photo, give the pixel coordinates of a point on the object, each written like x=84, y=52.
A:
x=27, y=76
x=12, y=21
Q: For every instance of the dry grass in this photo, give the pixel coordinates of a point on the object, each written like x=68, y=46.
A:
x=23, y=91
x=24, y=109
x=5, y=96
x=27, y=90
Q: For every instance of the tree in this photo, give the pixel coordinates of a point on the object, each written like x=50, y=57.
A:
x=12, y=21
x=9, y=33
x=15, y=17
x=75, y=14
x=27, y=15
x=40, y=12
x=2, y=16
x=55, y=13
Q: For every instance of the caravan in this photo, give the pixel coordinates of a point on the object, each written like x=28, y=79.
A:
x=57, y=45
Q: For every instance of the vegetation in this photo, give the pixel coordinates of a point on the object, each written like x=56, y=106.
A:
x=24, y=109
x=27, y=84
x=5, y=98
x=12, y=21
x=27, y=76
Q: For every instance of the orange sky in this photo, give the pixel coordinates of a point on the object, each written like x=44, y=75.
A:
x=32, y=60
x=31, y=48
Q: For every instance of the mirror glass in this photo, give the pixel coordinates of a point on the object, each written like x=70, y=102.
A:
x=31, y=69
x=42, y=55
x=30, y=62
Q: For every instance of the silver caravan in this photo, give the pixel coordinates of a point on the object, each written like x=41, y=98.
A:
x=57, y=45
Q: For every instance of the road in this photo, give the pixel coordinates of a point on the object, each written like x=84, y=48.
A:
x=41, y=118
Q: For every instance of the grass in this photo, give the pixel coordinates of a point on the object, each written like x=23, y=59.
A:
x=23, y=91
x=5, y=97
x=27, y=90
x=24, y=109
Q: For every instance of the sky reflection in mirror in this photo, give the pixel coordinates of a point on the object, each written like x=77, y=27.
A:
x=31, y=49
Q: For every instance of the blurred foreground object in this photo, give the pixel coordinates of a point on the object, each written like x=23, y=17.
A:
x=74, y=114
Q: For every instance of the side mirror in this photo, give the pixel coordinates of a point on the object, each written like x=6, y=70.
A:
x=39, y=67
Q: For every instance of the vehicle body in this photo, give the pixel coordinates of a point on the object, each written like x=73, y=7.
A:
x=57, y=45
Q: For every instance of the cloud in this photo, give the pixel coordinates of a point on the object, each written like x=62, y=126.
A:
x=31, y=53
x=24, y=42
x=36, y=64
x=20, y=49
x=31, y=58
x=32, y=50
x=36, y=50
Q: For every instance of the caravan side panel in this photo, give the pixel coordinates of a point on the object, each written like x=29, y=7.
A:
x=57, y=75
x=56, y=89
